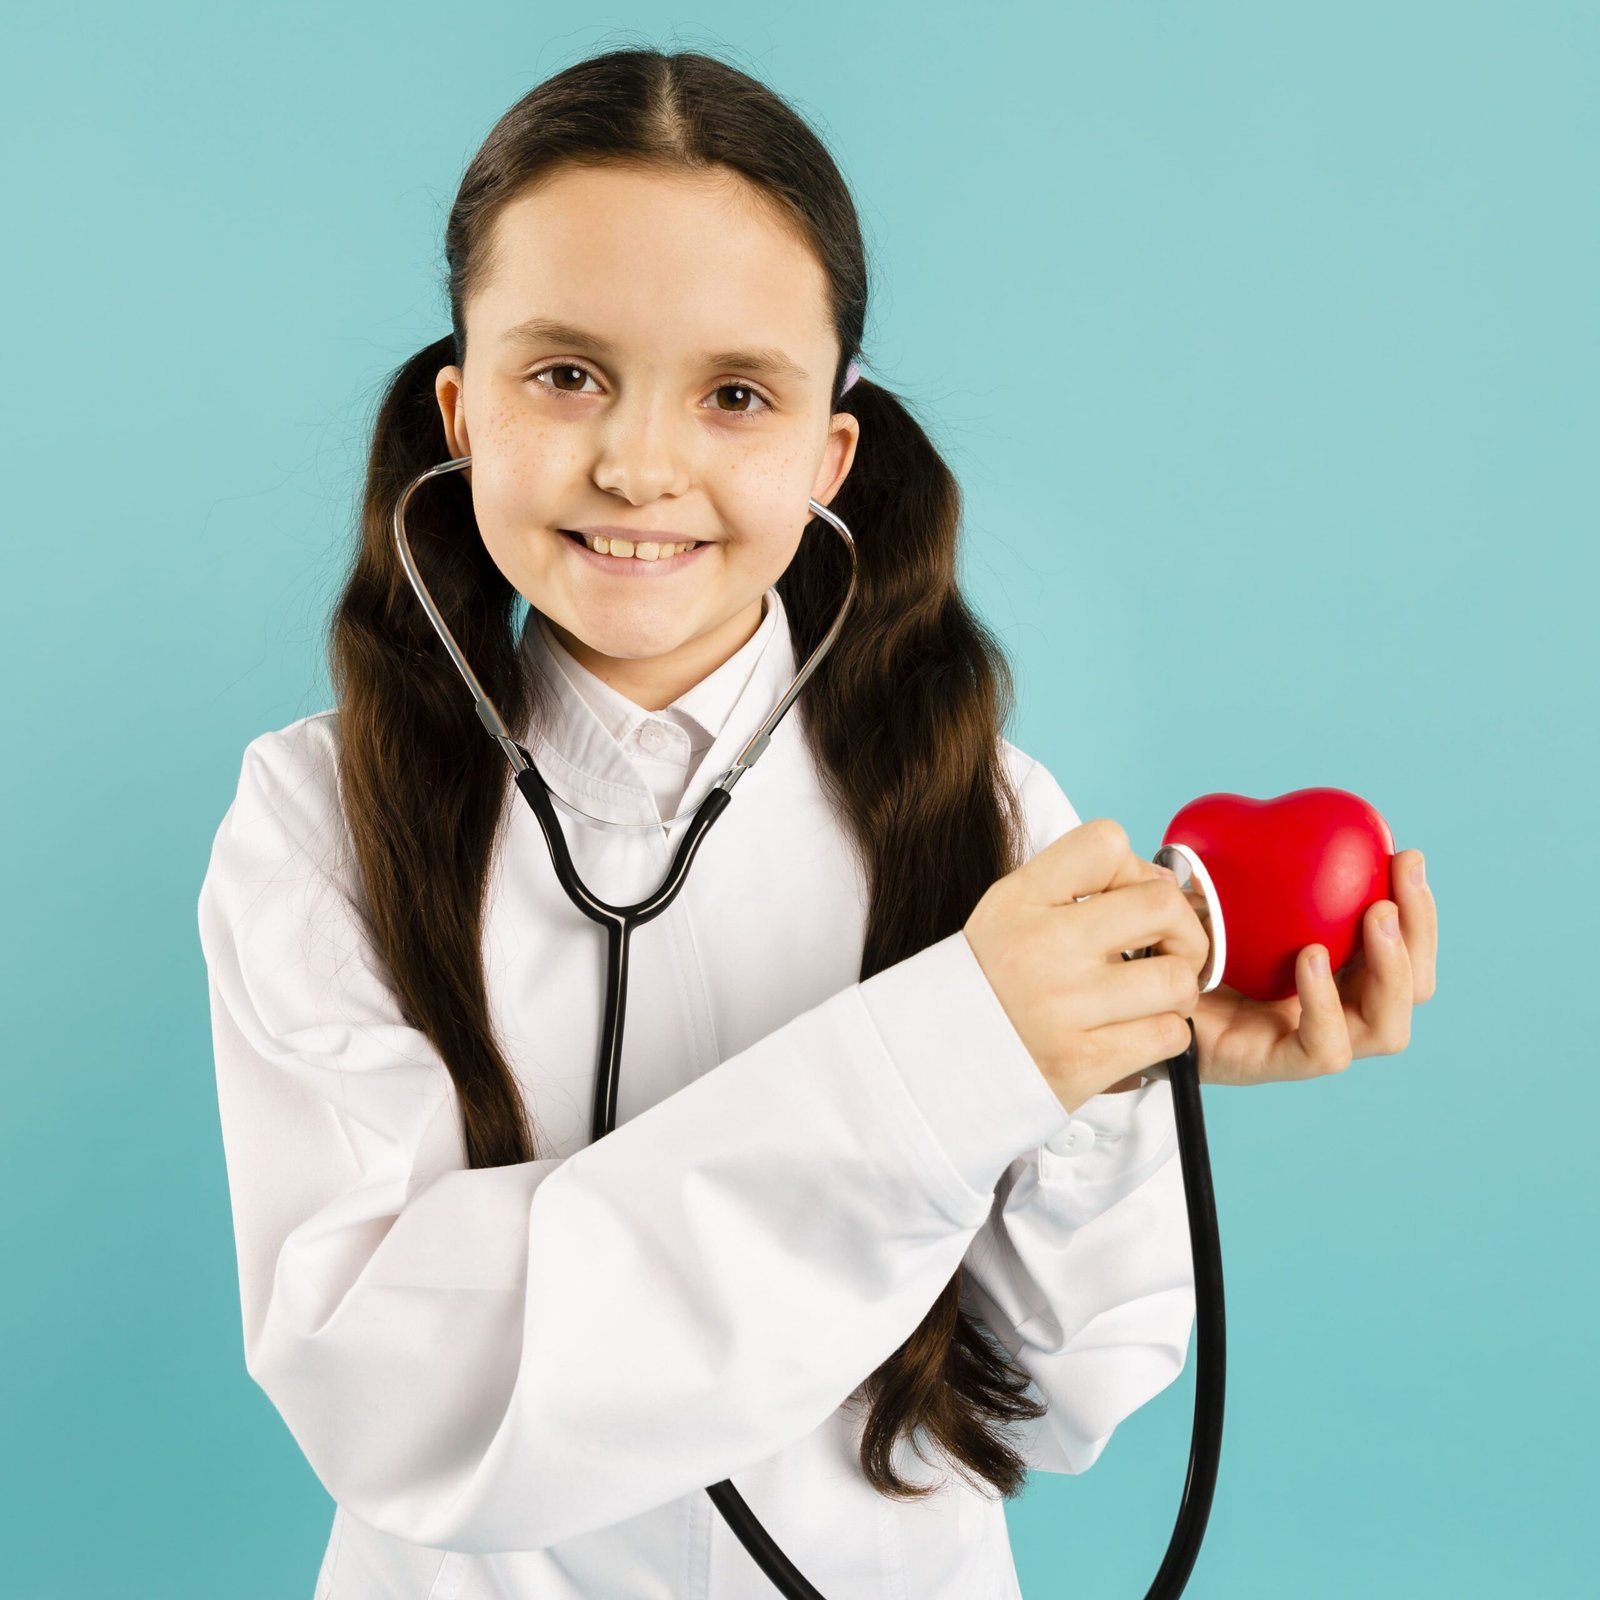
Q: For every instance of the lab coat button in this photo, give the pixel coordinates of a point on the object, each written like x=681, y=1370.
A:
x=1073, y=1139
x=652, y=735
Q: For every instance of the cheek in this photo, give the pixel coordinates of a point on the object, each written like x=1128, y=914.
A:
x=517, y=478
x=765, y=542
x=764, y=497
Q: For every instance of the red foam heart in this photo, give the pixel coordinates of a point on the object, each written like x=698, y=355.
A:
x=1296, y=870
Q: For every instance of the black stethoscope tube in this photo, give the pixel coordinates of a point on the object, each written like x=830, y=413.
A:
x=619, y=923
x=1211, y=1330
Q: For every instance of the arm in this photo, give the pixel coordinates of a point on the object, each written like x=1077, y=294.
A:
x=1083, y=1268
x=501, y=1358
x=1083, y=1272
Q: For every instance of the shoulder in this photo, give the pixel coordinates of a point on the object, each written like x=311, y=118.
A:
x=285, y=806
x=300, y=755
x=283, y=924
x=307, y=741
x=1047, y=811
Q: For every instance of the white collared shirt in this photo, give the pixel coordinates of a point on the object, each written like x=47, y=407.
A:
x=517, y=1382
x=666, y=746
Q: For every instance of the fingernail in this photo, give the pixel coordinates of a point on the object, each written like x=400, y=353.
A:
x=1416, y=870
x=1317, y=963
x=1388, y=924
x=1166, y=872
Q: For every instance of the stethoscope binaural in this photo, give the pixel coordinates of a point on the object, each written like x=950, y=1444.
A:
x=619, y=923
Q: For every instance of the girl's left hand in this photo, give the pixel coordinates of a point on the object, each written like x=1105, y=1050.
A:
x=1365, y=1011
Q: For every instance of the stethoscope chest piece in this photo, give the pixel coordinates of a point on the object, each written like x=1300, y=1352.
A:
x=1201, y=893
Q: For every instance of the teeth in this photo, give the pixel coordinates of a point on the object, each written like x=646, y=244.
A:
x=646, y=550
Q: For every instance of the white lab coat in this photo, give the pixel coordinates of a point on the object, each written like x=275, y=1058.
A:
x=518, y=1381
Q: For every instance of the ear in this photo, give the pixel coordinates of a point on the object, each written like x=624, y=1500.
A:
x=447, y=390
x=838, y=456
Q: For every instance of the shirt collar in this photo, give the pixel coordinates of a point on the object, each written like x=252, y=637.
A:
x=580, y=756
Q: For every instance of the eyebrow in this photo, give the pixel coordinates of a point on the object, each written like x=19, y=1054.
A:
x=769, y=363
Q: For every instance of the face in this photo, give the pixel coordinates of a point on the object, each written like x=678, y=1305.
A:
x=687, y=392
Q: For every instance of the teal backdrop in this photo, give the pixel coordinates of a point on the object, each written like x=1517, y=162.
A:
x=1263, y=339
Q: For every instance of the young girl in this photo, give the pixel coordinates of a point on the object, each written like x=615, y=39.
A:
x=891, y=1212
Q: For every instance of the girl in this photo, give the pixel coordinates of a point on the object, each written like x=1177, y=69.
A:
x=887, y=1173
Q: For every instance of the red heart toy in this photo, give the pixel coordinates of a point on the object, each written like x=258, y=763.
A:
x=1301, y=869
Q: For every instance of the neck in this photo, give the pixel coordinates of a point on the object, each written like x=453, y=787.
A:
x=654, y=684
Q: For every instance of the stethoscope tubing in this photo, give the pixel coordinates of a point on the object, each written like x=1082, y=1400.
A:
x=619, y=923
x=1211, y=1329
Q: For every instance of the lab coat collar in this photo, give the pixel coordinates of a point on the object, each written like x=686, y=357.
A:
x=579, y=755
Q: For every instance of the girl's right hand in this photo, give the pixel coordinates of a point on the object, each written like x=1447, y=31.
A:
x=1049, y=938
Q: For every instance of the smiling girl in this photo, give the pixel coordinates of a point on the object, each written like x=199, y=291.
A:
x=890, y=1187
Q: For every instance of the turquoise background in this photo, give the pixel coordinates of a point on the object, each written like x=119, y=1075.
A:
x=1263, y=339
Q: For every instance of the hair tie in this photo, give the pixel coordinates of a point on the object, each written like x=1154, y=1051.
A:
x=851, y=373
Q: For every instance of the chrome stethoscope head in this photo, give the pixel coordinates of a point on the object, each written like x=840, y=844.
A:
x=490, y=717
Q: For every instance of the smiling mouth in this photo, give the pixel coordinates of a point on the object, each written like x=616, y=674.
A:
x=665, y=551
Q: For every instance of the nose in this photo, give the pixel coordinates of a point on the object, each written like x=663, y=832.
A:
x=642, y=454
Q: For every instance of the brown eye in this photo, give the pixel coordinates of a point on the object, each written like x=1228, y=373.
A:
x=747, y=392
x=571, y=371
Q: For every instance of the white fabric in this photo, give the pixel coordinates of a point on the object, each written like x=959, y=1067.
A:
x=666, y=746
x=518, y=1381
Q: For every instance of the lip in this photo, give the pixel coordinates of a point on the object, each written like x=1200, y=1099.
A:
x=631, y=567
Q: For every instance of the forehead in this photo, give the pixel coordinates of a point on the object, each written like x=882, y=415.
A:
x=655, y=262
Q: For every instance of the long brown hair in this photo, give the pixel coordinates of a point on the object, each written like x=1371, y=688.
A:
x=902, y=717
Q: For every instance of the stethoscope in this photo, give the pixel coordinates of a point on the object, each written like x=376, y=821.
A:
x=619, y=923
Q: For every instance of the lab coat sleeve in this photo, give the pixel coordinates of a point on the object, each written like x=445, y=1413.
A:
x=1083, y=1268
x=501, y=1358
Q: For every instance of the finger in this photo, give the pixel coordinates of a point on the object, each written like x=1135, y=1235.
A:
x=1382, y=1024
x=1143, y=988
x=1128, y=1047
x=1419, y=923
x=1323, y=1037
x=1154, y=916
x=1085, y=860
